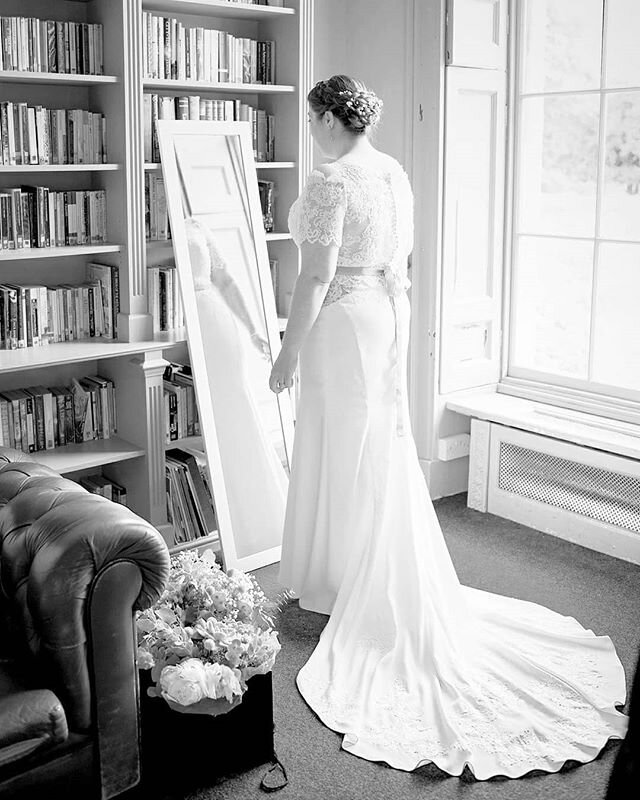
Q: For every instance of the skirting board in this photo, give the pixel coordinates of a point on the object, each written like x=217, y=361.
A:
x=578, y=528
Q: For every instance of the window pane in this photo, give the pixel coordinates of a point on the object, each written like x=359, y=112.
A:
x=557, y=165
x=552, y=306
x=623, y=36
x=620, y=217
x=561, y=45
x=616, y=353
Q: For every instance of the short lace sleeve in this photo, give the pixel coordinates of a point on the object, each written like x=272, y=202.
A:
x=318, y=214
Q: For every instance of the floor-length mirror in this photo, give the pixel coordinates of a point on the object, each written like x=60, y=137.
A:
x=232, y=330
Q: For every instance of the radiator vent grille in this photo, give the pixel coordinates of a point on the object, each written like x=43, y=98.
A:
x=600, y=494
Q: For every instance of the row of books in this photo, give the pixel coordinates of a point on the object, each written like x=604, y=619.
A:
x=190, y=507
x=172, y=50
x=36, y=216
x=180, y=406
x=156, y=214
x=45, y=45
x=36, y=315
x=195, y=107
x=164, y=300
x=45, y=417
x=99, y=484
x=39, y=135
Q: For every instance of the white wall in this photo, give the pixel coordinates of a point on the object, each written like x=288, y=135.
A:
x=397, y=49
x=366, y=39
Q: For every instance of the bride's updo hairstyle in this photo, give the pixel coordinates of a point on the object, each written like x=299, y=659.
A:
x=350, y=101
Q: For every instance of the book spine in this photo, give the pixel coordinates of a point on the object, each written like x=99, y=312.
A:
x=30, y=425
x=40, y=438
x=171, y=401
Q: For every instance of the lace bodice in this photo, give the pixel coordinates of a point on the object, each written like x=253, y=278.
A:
x=367, y=210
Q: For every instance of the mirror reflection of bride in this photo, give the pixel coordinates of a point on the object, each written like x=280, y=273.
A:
x=254, y=476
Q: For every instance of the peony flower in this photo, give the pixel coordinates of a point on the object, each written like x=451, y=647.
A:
x=185, y=683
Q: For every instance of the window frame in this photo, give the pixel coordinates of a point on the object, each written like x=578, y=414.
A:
x=582, y=395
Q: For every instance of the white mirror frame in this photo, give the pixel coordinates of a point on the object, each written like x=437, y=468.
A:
x=167, y=130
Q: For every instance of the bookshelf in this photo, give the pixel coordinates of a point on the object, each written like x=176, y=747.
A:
x=80, y=457
x=56, y=78
x=260, y=165
x=222, y=9
x=171, y=86
x=26, y=254
x=28, y=169
x=135, y=362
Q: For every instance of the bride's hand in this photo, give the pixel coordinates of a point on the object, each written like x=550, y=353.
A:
x=261, y=345
x=282, y=372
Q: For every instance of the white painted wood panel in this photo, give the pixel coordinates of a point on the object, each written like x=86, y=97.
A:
x=477, y=33
x=473, y=228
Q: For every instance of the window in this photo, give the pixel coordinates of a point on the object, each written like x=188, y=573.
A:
x=575, y=278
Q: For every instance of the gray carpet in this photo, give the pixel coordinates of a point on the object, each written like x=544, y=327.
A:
x=489, y=553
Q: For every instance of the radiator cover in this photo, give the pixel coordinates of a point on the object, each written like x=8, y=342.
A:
x=585, y=489
x=578, y=493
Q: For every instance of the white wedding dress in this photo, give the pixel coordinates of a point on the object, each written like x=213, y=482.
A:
x=411, y=667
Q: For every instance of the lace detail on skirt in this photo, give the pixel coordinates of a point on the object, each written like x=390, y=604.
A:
x=343, y=284
x=491, y=723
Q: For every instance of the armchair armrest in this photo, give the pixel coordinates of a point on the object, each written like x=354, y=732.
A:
x=29, y=720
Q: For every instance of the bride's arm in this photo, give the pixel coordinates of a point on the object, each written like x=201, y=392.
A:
x=317, y=270
x=234, y=298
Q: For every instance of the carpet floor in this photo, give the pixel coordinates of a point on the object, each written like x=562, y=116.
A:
x=489, y=553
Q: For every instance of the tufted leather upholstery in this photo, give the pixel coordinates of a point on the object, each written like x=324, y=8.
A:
x=73, y=568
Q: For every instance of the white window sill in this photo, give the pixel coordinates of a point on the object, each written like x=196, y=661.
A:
x=590, y=430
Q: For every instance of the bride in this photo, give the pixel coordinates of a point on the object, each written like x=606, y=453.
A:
x=411, y=667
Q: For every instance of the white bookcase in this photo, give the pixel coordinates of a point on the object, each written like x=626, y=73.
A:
x=135, y=457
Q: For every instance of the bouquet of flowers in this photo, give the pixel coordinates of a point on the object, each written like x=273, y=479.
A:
x=206, y=636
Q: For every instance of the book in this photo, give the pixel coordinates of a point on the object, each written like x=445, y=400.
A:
x=199, y=494
x=184, y=525
x=118, y=493
x=266, y=191
x=176, y=374
x=82, y=412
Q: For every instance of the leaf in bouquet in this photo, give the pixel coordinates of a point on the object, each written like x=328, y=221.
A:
x=167, y=615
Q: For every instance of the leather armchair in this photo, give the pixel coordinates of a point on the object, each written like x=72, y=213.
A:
x=74, y=567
